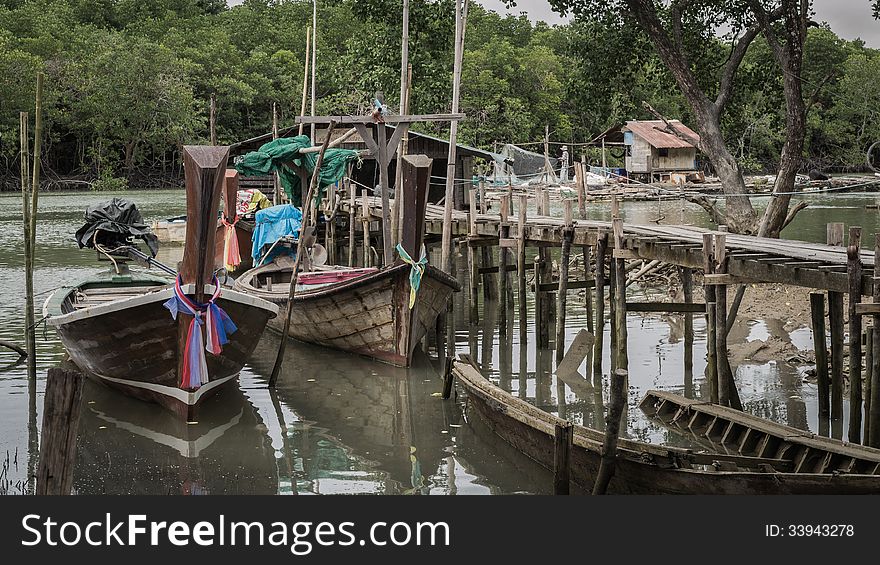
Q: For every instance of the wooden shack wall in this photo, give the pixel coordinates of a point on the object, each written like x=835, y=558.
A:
x=677, y=159
x=640, y=158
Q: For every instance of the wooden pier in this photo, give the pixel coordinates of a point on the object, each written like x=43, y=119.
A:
x=724, y=258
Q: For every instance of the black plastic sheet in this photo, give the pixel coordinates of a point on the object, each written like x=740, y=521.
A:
x=112, y=223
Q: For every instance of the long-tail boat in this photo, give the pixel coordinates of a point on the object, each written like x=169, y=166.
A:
x=380, y=313
x=644, y=468
x=726, y=430
x=142, y=333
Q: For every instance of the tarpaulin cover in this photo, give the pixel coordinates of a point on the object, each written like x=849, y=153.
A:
x=273, y=156
x=272, y=224
x=115, y=221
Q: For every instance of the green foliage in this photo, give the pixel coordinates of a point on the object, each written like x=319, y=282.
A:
x=109, y=183
x=128, y=82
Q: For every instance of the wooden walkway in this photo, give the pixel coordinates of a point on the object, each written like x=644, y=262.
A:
x=750, y=259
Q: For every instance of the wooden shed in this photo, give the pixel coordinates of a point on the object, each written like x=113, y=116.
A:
x=652, y=151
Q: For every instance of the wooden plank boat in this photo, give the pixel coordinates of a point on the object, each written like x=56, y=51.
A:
x=367, y=314
x=726, y=430
x=644, y=468
x=364, y=311
x=116, y=325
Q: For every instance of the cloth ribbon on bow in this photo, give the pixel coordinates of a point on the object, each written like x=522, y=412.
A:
x=231, y=252
x=218, y=326
x=415, y=273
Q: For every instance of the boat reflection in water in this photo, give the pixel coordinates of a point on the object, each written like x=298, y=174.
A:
x=336, y=424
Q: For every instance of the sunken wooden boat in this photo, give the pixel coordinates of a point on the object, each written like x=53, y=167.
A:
x=363, y=310
x=725, y=430
x=119, y=327
x=644, y=468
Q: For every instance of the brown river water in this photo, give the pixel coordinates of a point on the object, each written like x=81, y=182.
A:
x=339, y=424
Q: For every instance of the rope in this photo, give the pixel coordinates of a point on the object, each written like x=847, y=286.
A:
x=415, y=273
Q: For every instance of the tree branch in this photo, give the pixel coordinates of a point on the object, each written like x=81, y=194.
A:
x=678, y=6
x=815, y=96
x=792, y=213
x=671, y=128
x=717, y=215
x=765, y=22
x=725, y=88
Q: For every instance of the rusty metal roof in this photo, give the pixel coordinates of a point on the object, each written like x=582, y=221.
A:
x=654, y=132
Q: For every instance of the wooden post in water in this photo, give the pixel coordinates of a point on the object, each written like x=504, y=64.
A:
x=521, y=267
x=817, y=318
x=874, y=414
x=352, y=214
x=563, y=439
x=621, y=356
x=834, y=235
x=727, y=393
x=687, y=287
x=612, y=431
x=365, y=223
x=561, y=297
x=540, y=320
x=854, y=272
x=473, y=266
x=599, y=333
x=61, y=409
x=490, y=286
x=483, y=209
x=503, y=275
x=869, y=365
x=581, y=188
x=711, y=324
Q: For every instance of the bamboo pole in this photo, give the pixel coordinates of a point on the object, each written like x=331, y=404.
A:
x=854, y=271
x=314, y=58
x=473, y=269
x=522, y=215
x=461, y=9
x=307, y=205
x=562, y=292
x=29, y=330
x=503, y=275
x=213, y=119
x=404, y=110
x=352, y=212
x=38, y=143
x=365, y=223
x=305, y=89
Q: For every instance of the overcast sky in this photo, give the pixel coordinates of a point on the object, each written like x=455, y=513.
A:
x=848, y=18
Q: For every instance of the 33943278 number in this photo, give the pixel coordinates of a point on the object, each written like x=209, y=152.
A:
x=820, y=530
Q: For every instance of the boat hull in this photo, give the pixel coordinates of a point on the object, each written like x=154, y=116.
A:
x=368, y=315
x=132, y=345
x=641, y=468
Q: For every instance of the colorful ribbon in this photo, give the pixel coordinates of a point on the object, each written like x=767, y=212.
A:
x=415, y=273
x=218, y=326
x=231, y=253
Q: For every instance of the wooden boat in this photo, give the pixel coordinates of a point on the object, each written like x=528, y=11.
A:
x=365, y=311
x=644, y=468
x=726, y=430
x=116, y=325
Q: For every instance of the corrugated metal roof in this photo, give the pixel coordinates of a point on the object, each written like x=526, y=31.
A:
x=653, y=131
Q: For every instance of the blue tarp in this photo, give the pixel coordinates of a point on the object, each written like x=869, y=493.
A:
x=271, y=224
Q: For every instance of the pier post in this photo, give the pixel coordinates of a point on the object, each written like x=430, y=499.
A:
x=561, y=296
x=869, y=377
x=352, y=213
x=581, y=189
x=727, y=393
x=854, y=271
x=542, y=336
x=503, y=275
x=874, y=414
x=834, y=236
x=521, y=267
x=473, y=266
x=620, y=331
x=365, y=222
x=330, y=234
x=817, y=318
x=490, y=286
x=61, y=408
x=711, y=325
x=612, y=431
x=482, y=196
x=599, y=333
x=563, y=439
x=687, y=287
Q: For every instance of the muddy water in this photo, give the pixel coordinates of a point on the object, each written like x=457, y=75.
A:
x=342, y=424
